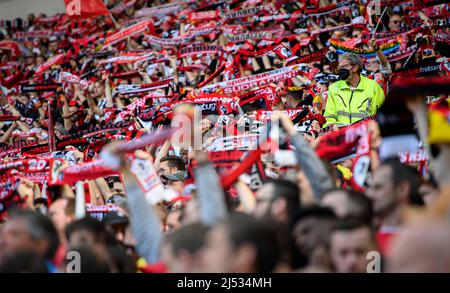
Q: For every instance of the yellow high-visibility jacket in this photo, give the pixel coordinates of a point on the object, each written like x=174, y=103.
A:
x=346, y=106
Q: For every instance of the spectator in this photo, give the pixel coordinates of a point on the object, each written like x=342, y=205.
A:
x=348, y=204
x=180, y=251
x=29, y=231
x=91, y=260
x=240, y=244
x=170, y=165
x=394, y=186
x=394, y=189
x=23, y=262
x=89, y=111
x=354, y=97
x=62, y=213
x=395, y=22
x=278, y=200
x=310, y=230
x=88, y=232
x=379, y=68
x=350, y=243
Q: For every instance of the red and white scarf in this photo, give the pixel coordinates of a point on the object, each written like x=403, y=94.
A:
x=242, y=13
x=153, y=40
x=229, y=143
x=31, y=165
x=121, y=7
x=315, y=56
x=55, y=60
x=139, y=28
x=158, y=11
x=249, y=36
x=140, y=88
x=30, y=36
x=131, y=57
x=195, y=50
x=254, y=81
x=38, y=177
x=13, y=47
x=87, y=171
x=203, y=15
x=279, y=49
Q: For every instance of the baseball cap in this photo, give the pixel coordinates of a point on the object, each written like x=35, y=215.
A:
x=115, y=218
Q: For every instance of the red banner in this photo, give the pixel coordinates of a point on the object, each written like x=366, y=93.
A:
x=85, y=8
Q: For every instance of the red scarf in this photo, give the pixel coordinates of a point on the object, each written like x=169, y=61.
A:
x=139, y=28
x=258, y=80
x=11, y=46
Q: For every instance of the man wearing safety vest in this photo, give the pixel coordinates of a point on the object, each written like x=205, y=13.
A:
x=354, y=97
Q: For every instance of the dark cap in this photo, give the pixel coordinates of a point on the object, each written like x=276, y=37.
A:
x=115, y=218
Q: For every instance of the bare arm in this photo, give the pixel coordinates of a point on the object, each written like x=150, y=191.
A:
x=96, y=197
x=246, y=196
x=103, y=187
x=7, y=134
x=66, y=115
x=162, y=153
x=93, y=106
x=386, y=69
x=23, y=126
x=108, y=94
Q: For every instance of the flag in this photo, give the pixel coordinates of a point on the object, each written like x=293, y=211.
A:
x=85, y=8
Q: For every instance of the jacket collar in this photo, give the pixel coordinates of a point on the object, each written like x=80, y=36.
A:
x=343, y=84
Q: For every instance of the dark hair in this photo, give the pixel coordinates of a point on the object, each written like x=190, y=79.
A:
x=403, y=173
x=90, y=225
x=40, y=228
x=174, y=161
x=359, y=201
x=23, y=262
x=189, y=238
x=289, y=191
x=244, y=229
x=351, y=224
x=395, y=14
x=314, y=211
x=363, y=206
x=297, y=95
x=91, y=261
x=120, y=259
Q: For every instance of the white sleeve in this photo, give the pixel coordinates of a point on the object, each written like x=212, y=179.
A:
x=386, y=71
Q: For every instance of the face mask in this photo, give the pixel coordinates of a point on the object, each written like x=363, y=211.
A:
x=344, y=74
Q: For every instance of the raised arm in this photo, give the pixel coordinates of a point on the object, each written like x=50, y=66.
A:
x=308, y=160
x=209, y=191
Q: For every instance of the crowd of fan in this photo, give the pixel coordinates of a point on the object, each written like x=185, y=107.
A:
x=71, y=88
